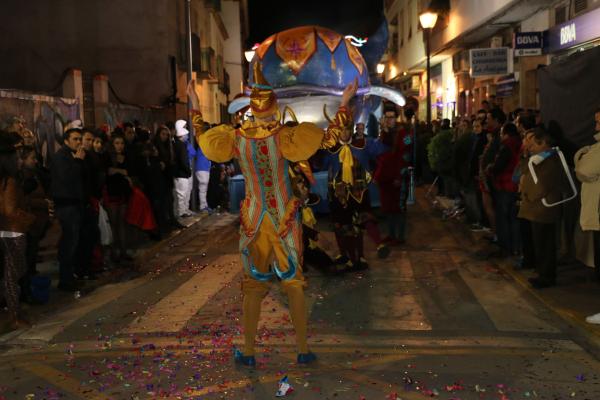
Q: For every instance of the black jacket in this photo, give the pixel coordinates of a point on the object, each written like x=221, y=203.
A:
x=67, y=176
x=181, y=168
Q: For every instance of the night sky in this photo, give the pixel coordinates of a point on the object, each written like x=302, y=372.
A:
x=358, y=17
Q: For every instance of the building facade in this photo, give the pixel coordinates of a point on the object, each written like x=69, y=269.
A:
x=521, y=33
x=122, y=54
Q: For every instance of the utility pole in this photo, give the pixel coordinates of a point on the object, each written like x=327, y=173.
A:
x=428, y=51
x=188, y=50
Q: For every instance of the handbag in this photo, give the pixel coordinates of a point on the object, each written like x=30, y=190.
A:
x=106, y=236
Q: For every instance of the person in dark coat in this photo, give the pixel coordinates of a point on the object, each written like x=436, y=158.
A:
x=68, y=193
x=506, y=190
x=551, y=185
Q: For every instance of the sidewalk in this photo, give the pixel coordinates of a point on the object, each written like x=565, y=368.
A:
x=145, y=250
x=576, y=296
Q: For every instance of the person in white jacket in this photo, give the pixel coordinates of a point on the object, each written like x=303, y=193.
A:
x=587, y=168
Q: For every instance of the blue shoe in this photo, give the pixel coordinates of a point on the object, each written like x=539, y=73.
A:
x=306, y=358
x=240, y=358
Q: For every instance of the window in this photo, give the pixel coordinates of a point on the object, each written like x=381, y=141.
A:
x=401, y=28
x=579, y=6
x=560, y=15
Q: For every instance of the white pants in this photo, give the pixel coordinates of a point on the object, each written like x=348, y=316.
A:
x=182, y=191
x=203, y=178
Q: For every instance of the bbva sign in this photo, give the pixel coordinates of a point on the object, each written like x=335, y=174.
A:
x=568, y=34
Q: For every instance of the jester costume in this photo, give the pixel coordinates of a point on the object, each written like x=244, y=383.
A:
x=270, y=232
x=302, y=179
x=349, y=177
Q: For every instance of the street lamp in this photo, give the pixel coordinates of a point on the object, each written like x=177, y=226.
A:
x=428, y=19
x=380, y=68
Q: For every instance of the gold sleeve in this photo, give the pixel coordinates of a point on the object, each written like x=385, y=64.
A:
x=198, y=124
x=218, y=143
x=341, y=121
x=300, y=142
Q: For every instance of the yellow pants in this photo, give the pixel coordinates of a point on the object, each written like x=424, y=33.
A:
x=264, y=248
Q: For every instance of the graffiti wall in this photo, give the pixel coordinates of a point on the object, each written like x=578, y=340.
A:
x=45, y=116
x=151, y=118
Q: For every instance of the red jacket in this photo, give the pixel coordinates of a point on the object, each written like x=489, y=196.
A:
x=505, y=163
x=393, y=166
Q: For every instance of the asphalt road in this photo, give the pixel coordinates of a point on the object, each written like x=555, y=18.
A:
x=431, y=321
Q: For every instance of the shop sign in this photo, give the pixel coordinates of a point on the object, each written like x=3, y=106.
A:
x=485, y=62
x=528, y=43
x=574, y=32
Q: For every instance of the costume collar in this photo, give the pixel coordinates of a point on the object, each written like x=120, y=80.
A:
x=259, y=130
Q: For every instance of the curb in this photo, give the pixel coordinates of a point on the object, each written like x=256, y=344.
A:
x=588, y=331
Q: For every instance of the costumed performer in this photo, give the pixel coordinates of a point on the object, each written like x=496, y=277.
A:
x=348, y=180
x=302, y=179
x=270, y=232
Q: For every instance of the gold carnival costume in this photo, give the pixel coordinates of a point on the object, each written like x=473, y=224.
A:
x=271, y=231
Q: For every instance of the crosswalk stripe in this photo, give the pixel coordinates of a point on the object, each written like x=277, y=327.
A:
x=172, y=312
x=401, y=310
x=507, y=308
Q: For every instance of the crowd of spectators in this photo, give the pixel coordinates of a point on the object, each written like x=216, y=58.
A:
x=507, y=177
x=102, y=188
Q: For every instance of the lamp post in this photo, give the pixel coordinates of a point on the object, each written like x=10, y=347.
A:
x=428, y=19
x=189, y=53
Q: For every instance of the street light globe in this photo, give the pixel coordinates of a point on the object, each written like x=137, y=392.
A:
x=380, y=68
x=428, y=19
x=249, y=54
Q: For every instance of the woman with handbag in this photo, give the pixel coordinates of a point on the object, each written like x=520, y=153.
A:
x=14, y=225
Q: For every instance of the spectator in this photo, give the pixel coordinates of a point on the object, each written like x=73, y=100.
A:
x=36, y=188
x=587, y=168
x=93, y=176
x=495, y=120
x=182, y=172
x=102, y=157
x=478, y=143
x=501, y=171
x=116, y=196
x=154, y=187
x=164, y=144
x=393, y=178
x=69, y=201
x=527, y=261
x=360, y=130
x=129, y=136
x=485, y=106
x=15, y=222
x=550, y=185
x=202, y=172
